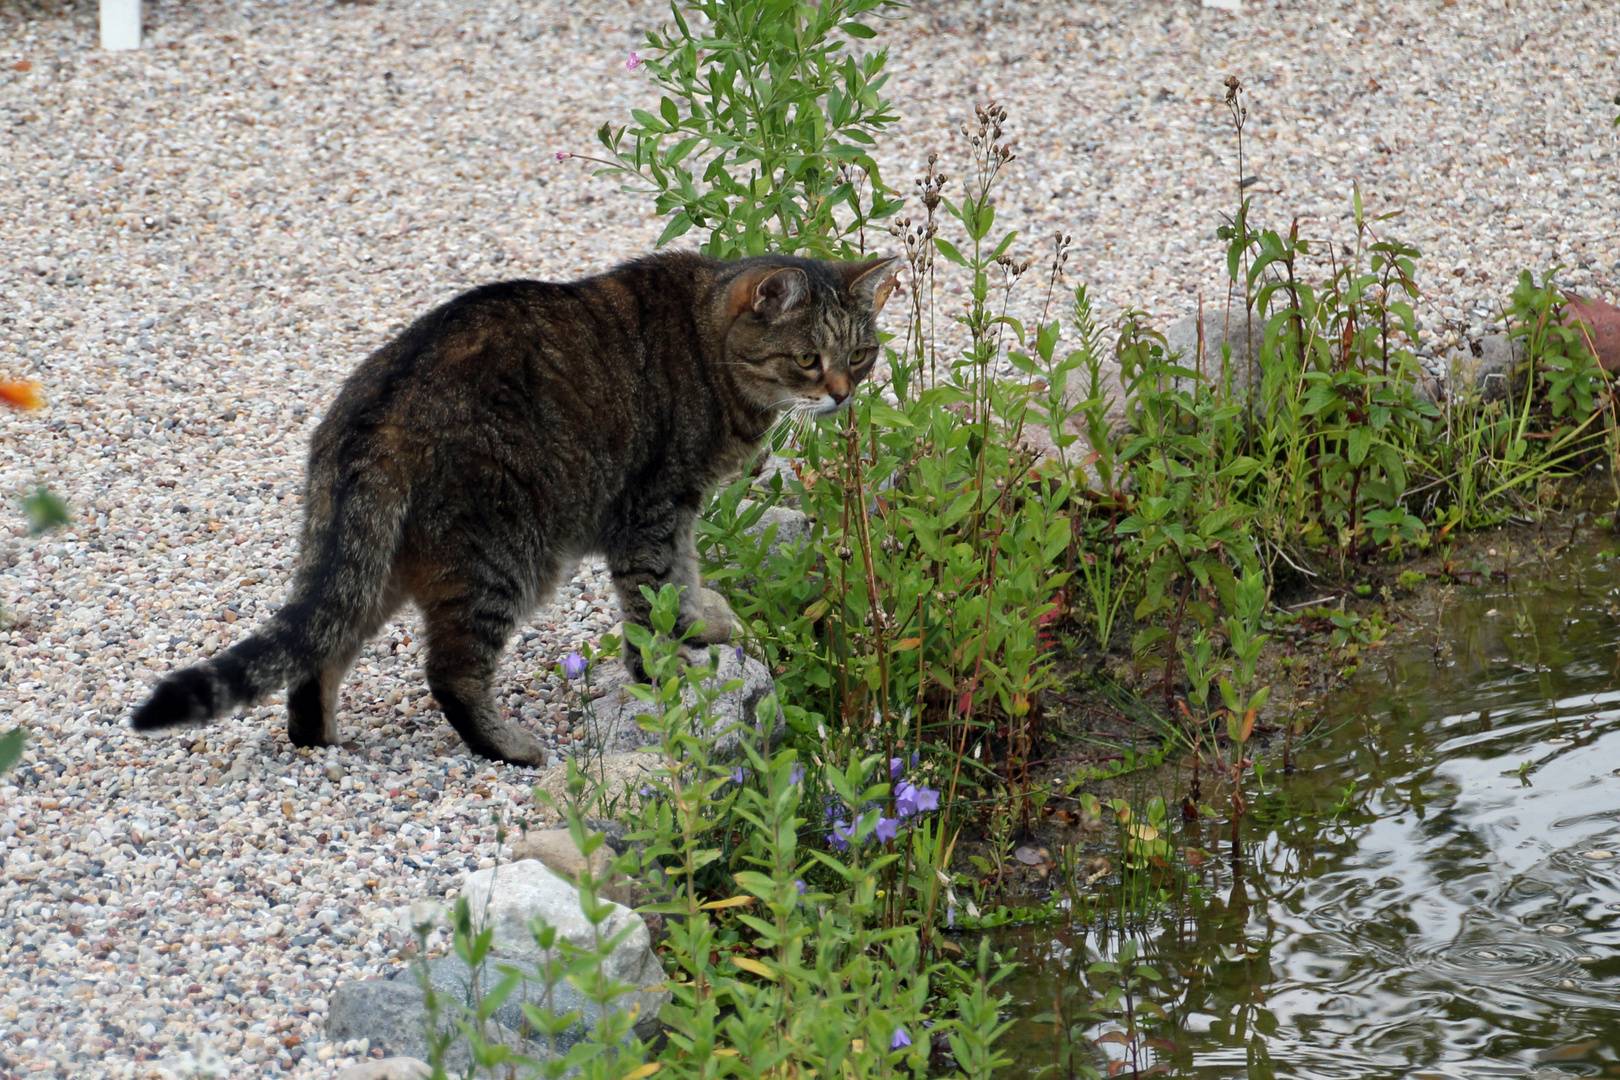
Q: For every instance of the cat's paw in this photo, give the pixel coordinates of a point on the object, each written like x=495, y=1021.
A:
x=513, y=744
x=718, y=620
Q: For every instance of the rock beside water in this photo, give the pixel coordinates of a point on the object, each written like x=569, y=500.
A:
x=613, y=714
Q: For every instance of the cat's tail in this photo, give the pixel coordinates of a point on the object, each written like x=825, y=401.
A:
x=337, y=601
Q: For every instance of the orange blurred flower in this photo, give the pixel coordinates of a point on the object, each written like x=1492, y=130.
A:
x=21, y=395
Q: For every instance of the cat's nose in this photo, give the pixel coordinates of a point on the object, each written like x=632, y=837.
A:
x=839, y=388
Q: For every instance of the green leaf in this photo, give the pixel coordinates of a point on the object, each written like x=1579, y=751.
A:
x=648, y=121
x=858, y=30
x=678, y=225
x=671, y=114
x=11, y=747
x=948, y=249
x=888, y=416
x=1360, y=439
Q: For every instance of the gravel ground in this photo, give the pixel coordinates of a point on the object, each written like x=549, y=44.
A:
x=198, y=241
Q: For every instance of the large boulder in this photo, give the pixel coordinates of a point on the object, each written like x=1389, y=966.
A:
x=1244, y=331
x=612, y=717
x=392, y=1014
x=508, y=899
x=555, y=850
x=451, y=976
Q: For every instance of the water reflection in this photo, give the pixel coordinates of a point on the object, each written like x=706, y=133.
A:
x=1436, y=891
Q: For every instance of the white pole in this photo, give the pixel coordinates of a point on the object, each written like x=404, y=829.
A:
x=120, y=24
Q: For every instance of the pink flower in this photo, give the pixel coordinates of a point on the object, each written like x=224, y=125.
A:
x=634, y=62
x=563, y=155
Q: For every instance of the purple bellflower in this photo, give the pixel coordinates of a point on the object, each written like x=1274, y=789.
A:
x=840, y=836
x=911, y=800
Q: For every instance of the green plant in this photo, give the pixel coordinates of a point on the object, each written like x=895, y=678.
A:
x=611, y=1051
x=811, y=981
x=910, y=619
x=1563, y=375
x=1114, y=995
x=764, y=131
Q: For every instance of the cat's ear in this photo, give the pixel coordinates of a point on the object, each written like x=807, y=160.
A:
x=769, y=292
x=874, y=280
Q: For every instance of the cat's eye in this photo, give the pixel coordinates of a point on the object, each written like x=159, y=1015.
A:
x=861, y=357
x=808, y=360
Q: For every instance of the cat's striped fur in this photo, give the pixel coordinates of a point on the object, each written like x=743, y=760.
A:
x=466, y=465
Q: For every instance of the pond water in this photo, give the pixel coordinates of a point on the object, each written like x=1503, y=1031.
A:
x=1435, y=892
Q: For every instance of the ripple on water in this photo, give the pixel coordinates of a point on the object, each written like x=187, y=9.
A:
x=1494, y=959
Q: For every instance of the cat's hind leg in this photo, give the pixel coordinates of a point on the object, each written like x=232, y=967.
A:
x=312, y=703
x=464, y=642
x=312, y=698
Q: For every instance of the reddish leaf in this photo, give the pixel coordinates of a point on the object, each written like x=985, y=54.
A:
x=1248, y=726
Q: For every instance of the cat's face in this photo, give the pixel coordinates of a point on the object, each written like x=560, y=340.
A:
x=803, y=334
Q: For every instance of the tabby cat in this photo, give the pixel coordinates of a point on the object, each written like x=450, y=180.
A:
x=469, y=463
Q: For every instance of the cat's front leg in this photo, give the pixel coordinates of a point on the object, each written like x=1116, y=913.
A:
x=659, y=557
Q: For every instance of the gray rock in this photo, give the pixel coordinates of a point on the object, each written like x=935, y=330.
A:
x=509, y=899
x=555, y=849
x=792, y=526
x=1220, y=328
x=615, y=782
x=394, y=1068
x=612, y=717
x=392, y=1013
x=1489, y=368
x=772, y=466
x=452, y=976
